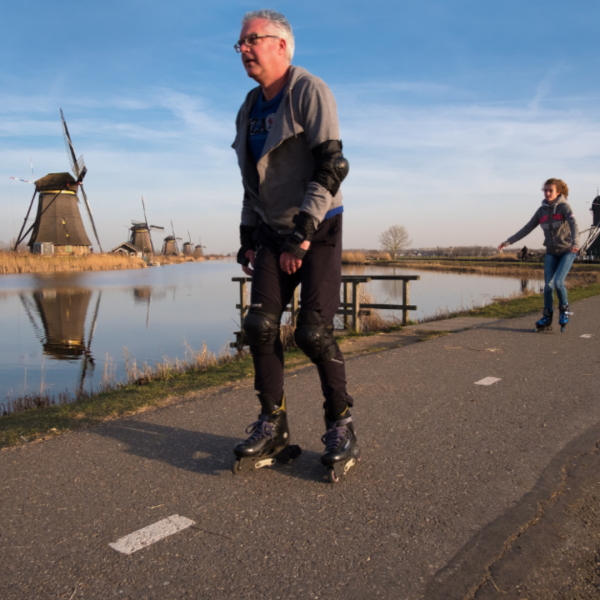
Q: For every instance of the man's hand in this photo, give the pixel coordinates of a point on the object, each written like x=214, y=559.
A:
x=574, y=250
x=250, y=255
x=501, y=246
x=290, y=263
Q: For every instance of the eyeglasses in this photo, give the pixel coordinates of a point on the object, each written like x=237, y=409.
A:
x=251, y=40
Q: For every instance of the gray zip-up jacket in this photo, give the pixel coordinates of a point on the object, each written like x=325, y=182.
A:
x=559, y=225
x=279, y=186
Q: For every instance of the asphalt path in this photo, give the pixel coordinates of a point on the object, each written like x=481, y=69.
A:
x=452, y=474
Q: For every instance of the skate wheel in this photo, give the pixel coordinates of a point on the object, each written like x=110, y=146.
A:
x=331, y=476
x=237, y=467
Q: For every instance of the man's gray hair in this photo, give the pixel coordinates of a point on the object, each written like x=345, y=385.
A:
x=279, y=25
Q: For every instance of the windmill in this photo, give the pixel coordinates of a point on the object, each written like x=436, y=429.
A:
x=140, y=233
x=170, y=247
x=58, y=220
x=198, y=250
x=188, y=249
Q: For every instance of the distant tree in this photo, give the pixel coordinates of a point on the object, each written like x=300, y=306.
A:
x=394, y=239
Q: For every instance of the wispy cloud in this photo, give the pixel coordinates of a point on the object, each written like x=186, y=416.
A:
x=444, y=169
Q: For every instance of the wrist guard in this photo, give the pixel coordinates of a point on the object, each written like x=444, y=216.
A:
x=247, y=243
x=303, y=232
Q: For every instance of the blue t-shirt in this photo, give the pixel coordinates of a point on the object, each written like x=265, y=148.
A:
x=261, y=119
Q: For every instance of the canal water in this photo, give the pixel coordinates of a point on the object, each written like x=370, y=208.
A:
x=60, y=330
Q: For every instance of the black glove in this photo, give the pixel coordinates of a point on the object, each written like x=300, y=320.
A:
x=247, y=241
x=303, y=232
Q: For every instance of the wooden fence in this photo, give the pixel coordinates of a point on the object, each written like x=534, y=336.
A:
x=350, y=307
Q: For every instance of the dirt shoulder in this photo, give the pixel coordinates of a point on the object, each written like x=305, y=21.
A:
x=557, y=554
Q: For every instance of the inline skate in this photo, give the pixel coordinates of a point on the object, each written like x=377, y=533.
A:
x=269, y=441
x=341, y=446
x=545, y=323
x=563, y=318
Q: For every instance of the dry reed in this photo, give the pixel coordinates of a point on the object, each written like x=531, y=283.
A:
x=374, y=321
x=24, y=262
x=353, y=258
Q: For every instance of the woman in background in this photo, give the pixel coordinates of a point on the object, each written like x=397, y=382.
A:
x=561, y=238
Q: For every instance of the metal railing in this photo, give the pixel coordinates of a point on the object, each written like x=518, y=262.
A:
x=350, y=307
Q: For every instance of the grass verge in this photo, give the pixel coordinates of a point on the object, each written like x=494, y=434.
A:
x=46, y=421
x=517, y=307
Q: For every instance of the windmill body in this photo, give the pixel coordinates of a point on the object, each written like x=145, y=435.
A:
x=140, y=238
x=170, y=247
x=198, y=252
x=58, y=220
x=188, y=249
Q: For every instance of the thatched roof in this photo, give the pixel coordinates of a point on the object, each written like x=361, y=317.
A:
x=56, y=181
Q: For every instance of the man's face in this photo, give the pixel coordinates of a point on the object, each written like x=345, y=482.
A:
x=267, y=56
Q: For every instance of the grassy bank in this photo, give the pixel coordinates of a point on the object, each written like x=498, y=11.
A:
x=522, y=305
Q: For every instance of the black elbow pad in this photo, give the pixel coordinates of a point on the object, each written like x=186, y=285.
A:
x=331, y=168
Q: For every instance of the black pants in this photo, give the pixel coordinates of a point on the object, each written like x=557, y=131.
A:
x=320, y=277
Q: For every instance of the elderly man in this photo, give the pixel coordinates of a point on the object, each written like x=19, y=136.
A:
x=290, y=156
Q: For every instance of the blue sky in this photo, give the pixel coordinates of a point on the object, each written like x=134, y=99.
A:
x=452, y=113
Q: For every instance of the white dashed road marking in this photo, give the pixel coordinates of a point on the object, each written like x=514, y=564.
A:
x=487, y=381
x=153, y=533
x=586, y=335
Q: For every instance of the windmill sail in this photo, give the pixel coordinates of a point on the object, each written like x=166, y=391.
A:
x=79, y=170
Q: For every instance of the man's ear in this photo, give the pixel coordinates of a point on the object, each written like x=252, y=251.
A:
x=282, y=46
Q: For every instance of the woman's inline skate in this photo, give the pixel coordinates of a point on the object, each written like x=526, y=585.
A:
x=545, y=323
x=563, y=318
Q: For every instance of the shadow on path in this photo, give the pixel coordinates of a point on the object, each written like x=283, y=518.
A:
x=196, y=451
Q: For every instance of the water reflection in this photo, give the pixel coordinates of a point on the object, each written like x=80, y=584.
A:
x=58, y=317
x=145, y=294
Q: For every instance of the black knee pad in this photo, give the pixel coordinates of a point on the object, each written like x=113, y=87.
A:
x=261, y=327
x=314, y=336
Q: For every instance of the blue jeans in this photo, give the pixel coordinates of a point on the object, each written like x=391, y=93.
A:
x=556, y=269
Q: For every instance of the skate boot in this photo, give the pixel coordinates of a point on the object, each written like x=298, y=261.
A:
x=563, y=318
x=545, y=323
x=341, y=446
x=269, y=441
